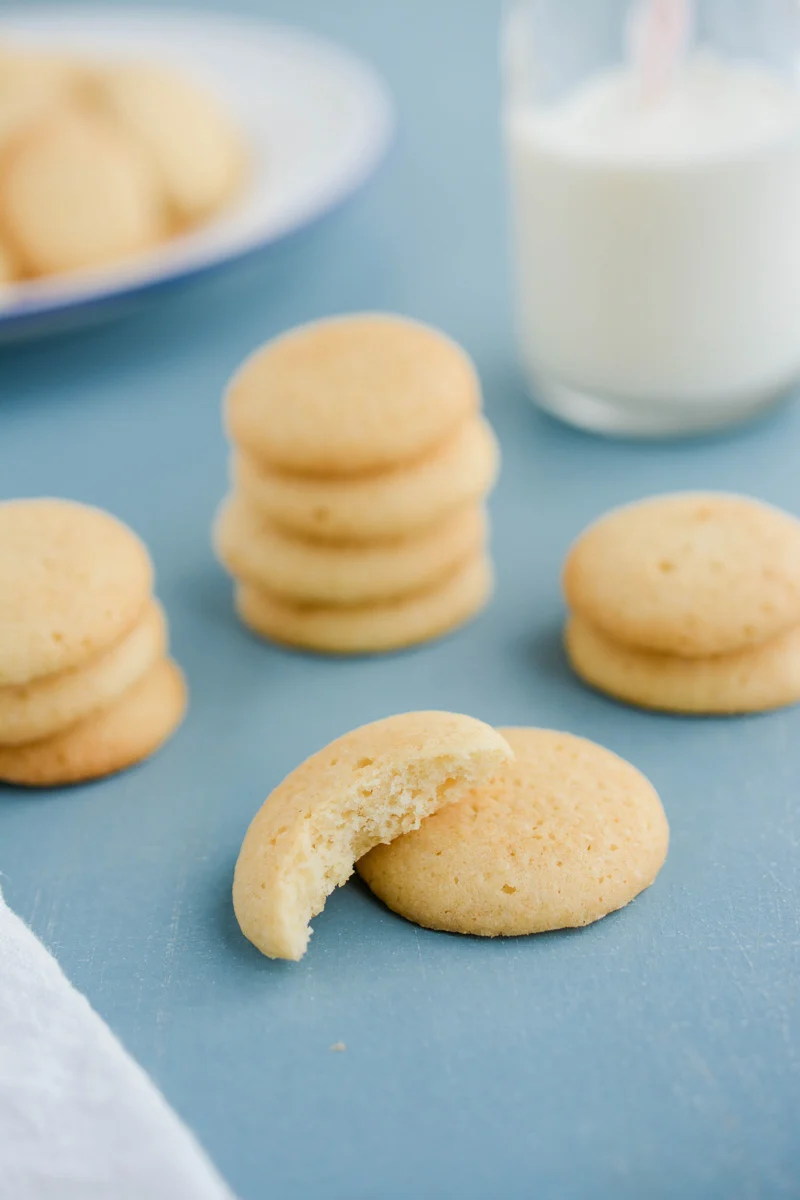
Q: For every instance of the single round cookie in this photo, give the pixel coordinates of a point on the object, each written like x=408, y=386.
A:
x=366, y=787
x=30, y=711
x=566, y=833
x=373, y=629
x=389, y=504
x=692, y=574
x=197, y=151
x=351, y=394
x=125, y=732
x=753, y=680
x=75, y=194
x=73, y=580
x=303, y=572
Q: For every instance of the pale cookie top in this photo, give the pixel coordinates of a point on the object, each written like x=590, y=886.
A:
x=693, y=574
x=367, y=787
x=351, y=394
x=73, y=579
x=565, y=833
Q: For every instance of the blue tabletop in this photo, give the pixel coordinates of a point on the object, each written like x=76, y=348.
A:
x=652, y=1055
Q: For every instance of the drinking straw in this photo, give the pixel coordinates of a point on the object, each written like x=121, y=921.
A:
x=658, y=33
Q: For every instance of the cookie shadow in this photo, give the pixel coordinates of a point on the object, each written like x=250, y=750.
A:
x=544, y=650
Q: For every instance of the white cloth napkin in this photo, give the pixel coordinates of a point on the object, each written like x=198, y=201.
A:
x=79, y=1120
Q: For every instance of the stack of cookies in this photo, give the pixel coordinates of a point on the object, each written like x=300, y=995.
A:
x=688, y=603
x=361, y=464
x=86, y=688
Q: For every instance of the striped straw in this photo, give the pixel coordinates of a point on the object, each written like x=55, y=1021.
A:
x=658, y=33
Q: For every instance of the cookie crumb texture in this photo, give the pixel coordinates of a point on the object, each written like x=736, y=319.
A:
x=368, y=787
x=565, y=833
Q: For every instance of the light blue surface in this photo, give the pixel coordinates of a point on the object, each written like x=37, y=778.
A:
x=653, y=1055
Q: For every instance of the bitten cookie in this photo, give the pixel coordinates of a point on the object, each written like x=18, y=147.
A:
x=31, y=711
x=351, y=394
x=375, y=628
x=691, y=574
x=565, y=833
x=367, y=787
x=302, y=572
x=73, y=580
x=128, y=730
x=75, y=194
x=196, y=149
x=753, y=680
x=389, y=504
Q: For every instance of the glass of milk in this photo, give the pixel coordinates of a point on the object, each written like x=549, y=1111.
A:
x=654, y=158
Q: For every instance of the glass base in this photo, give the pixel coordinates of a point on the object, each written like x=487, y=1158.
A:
x=627, y=418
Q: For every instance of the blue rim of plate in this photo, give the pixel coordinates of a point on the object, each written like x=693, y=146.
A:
x=54, y=312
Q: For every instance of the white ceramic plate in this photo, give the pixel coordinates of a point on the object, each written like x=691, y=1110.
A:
x=317, y=120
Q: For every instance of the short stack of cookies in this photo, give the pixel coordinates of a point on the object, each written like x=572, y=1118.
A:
x=361, y=464
x=86, y=687
x=688, y=603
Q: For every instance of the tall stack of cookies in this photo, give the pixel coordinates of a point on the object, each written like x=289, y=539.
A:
x=688, y=603
x=86, y=687
x=361, y=464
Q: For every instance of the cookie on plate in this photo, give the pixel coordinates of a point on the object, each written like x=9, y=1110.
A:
x=75, y=193
x=124, y=732
x=564, y=833
x=690, y=574
x=367, y=787
x=8, y=268
x=372, y=628
x=386, y=504
x=757, y=679
x=350, y=395
x=33, y=84
x=196, y=150
x=304, y=572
